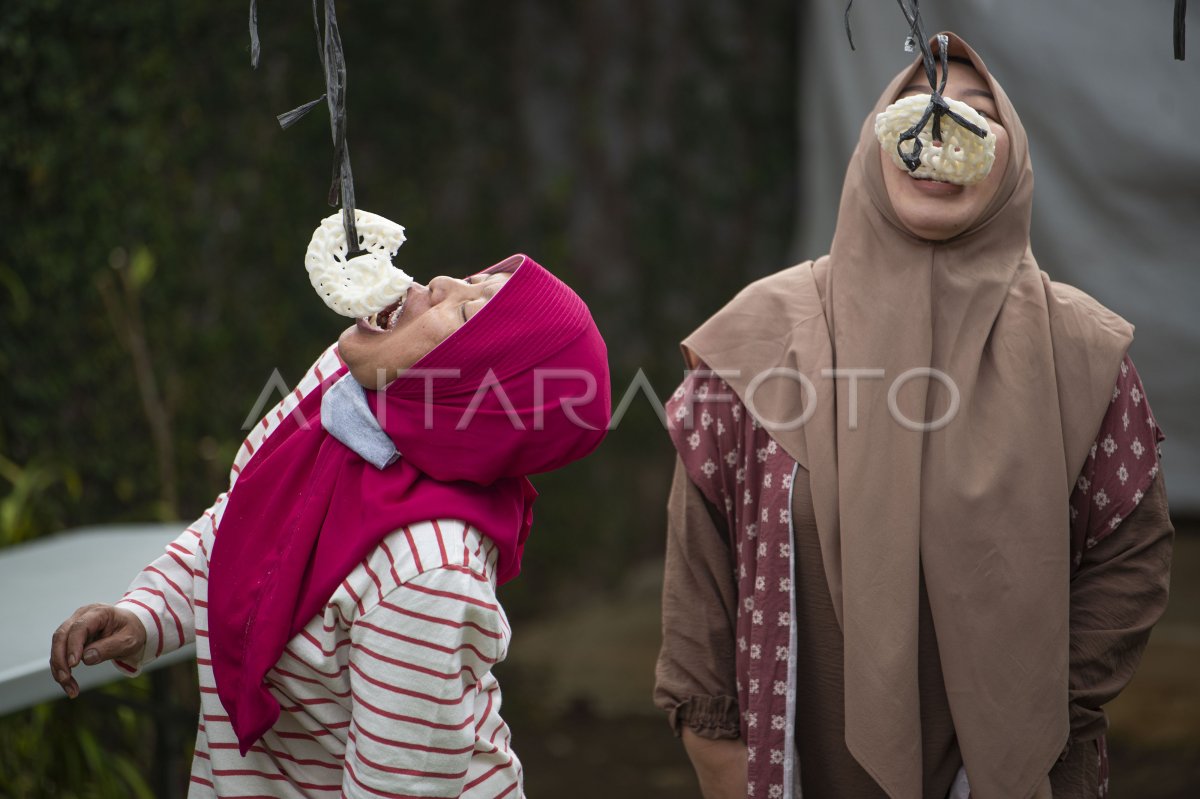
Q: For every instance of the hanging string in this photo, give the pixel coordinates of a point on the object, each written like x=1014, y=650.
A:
x=846, y=19
x=937, y=107
x=912, y=15
x=333, y=62
x=255, y=48
x=1180, y=14
x=916, y=35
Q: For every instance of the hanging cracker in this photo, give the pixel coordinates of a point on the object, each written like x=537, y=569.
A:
x=361, y=285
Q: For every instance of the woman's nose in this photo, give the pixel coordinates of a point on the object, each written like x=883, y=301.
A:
x=442, y=287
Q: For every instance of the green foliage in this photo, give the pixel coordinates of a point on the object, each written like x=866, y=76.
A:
x=23, y=511
x=85, y=749
x=155, y=220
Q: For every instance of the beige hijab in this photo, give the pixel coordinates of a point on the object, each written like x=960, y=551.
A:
x=980, y=506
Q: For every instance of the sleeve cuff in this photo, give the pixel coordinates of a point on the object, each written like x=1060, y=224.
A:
x=1087, y=724
x=132, y=666
x=713, y=717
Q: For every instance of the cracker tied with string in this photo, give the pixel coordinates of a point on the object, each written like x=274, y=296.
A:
x=367, y=283
x=959, y=155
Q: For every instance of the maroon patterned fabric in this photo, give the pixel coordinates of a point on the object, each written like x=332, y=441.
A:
x=741, y=470
x=1122, y=464
x=1119, y=470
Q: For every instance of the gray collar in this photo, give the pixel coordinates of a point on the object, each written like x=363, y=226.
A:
x=346, y=416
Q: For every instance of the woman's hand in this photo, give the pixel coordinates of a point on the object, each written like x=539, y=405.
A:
x=105, y=630
x=720, y=765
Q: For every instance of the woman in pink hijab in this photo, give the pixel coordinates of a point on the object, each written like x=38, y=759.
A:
x=341, y=594
x=918, y=534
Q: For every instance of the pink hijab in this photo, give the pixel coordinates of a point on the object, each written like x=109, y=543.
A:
x=531, y=394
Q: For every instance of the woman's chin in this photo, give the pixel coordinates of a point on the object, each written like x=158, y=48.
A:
x=353, y=352
x=934, y=217
x=348, y=339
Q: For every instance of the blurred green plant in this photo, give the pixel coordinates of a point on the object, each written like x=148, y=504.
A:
x=122, y=298
x=65, y=750
x=24, y=510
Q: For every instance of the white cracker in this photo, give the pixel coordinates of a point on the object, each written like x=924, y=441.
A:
x=962, y=158
x=363, y=285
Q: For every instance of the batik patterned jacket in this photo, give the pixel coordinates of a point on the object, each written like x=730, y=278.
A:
x=742, y=471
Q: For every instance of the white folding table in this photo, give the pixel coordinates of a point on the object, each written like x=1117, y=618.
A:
x=42, y=582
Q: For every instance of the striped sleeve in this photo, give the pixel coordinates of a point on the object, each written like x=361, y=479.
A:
x=162, y=596
x=416, y=664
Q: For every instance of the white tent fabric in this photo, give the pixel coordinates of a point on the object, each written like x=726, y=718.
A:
x=1114, y=129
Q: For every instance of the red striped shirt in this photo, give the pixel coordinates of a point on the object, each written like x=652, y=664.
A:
x=390, y=687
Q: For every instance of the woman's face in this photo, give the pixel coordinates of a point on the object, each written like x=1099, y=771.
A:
x=931, y=209
x=431, y=313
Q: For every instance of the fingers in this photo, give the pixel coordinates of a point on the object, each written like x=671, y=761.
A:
x=60, y=661
x=121, y=642
x=90, y=625
x=67, y=643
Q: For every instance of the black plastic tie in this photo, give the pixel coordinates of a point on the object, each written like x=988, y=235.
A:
x=846, y=19
x=289, y=118
x=937, y=108
x=333, y=62
x=255, y=47
x=1180, y=15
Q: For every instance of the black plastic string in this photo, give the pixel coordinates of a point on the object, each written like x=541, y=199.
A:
x=342, y=183
x=937, y=107
x=916, y=32
x=255, y=48
x=1180, y=14
x=333, y=62
x=911, y=11
x=846, y=19
x=289, y=118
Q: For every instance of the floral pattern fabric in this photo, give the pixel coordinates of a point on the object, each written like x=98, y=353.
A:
x=1122, y=464
x=742, y=470
x=1116, y=475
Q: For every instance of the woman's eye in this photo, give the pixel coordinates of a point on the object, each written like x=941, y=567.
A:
x=469, y=308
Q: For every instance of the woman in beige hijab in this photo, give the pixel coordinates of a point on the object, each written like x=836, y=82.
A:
x=918, y=533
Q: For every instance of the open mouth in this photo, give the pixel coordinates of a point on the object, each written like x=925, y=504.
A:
x=934, y=185
x=385, y=320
